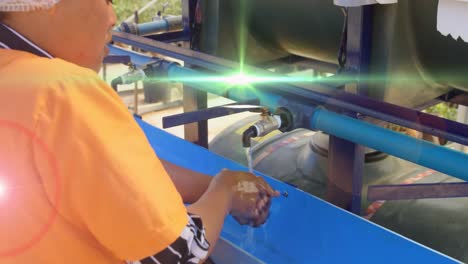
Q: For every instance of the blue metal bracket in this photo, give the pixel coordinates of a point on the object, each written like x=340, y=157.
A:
x=117, y=59
x=417, y=191
x=171, y=37
x=346, y=158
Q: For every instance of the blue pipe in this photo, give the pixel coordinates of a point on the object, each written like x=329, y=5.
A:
x=152, y=27
x=266, y=99
x=166, y=24
x=421, y=152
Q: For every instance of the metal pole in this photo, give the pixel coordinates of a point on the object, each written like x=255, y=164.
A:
x=346, y=158
x=193, y=99
x=462, y=117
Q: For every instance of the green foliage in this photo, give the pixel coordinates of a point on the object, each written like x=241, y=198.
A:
x=444, y=110
x=125, y=8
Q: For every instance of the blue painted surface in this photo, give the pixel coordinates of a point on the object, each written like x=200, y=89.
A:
x=445, y=160
x=302, y=228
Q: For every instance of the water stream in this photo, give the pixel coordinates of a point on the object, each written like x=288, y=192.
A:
x=248, y=154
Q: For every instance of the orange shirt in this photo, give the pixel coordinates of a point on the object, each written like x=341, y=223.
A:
x=79, y=182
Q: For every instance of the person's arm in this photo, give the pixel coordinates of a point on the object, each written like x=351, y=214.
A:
x=213, y=207
x=226, y=194
x=211, y=198
x=190, y=184
x=206, y=219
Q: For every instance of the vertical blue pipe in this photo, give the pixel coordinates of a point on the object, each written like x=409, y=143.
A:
x=421, y=152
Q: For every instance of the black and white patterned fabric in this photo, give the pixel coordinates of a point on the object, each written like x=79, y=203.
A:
x=191, y=247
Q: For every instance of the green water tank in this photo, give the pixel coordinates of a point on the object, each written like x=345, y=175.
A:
x=414, y=62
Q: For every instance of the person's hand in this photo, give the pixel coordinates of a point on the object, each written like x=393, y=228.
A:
x=251, y=196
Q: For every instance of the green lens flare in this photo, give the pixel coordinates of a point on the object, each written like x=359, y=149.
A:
x=249, y=80
x=242, y=34
x=241, y=79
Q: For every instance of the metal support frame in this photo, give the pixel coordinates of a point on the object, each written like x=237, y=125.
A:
x=462, y=118
x=345, y=158
x=320, y=93
x=193, y=100
x=345, y=167
x=417, y=191
x=196, y=132
x=170, y=37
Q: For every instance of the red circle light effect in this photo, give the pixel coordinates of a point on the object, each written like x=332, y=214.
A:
x=15, y=250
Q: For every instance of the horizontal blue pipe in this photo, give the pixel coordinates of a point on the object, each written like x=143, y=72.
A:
x=153, y=27
x=421, y=152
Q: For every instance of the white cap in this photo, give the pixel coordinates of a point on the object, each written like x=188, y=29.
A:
x=25, y=5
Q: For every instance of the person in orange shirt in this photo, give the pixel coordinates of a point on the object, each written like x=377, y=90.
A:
x=79, y=182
